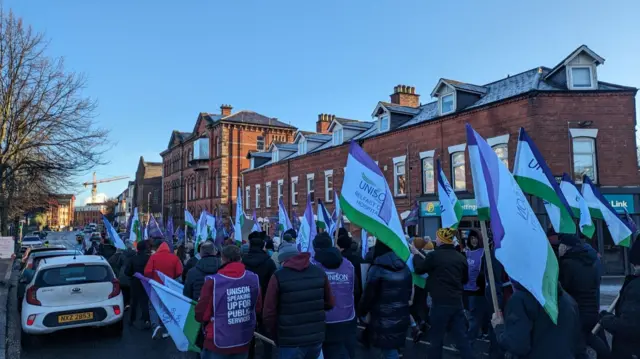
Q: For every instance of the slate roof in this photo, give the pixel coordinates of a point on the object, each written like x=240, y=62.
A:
x=255, y=118
x=511, y=86
x=286, y=147
x=259, y=154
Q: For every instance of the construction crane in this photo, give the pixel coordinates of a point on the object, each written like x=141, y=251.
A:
x=94, y=185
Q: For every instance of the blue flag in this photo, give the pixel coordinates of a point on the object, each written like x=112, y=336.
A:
x=113, y=234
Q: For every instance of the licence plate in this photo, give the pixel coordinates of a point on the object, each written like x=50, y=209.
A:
x=77, y=317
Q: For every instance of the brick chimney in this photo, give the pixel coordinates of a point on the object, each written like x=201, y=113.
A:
x=405, y=96
x=225, y=110
x=324, y=120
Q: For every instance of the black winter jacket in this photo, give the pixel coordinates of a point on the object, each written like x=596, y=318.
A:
x=119, y=263
x=337, y=332
x=529, y=333
x=625, y=325
x=187, y=266
x=580, y=277
x=386, y=297
x=448, y=272
x=136, y=265
x=195, y=278
x=261, y=264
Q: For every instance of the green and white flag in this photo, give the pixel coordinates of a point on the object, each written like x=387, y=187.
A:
x=136, y=234
x=450, y=207
x=578, y=205
x=534, y=177
x=367, y=201
x=177, y=313
x=237, y=234
x=600, y=208
x=521, y=245
x=188, y=219
x=201, y=230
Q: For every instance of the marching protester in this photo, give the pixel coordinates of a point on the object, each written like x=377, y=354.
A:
x=260, y=263
x=580, y=277
x=448, y=272
x=419, y=308
x=340, y=338
x=474, y=288
x=624, y=325
x=139, y=298
x=118, y=263
x=228, y=305
x=495, y=351
x=386, y=300
x=526, y=330
x=206, y=266
x=164, y=261
x=297, y=297
x=276, y=248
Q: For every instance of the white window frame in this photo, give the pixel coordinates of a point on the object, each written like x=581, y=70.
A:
x=258, y=143
x=396, y=161
x=502, y=140
x=338, y=135
x=453, y=172
x=440, y=102
x=594, y=156
x=327, y=197
x=267, y=195
x=257, y=196
x=247, y=199
x=275, y=156
x=388, y=116
x=427, y=155
x=280, y=188
x=312, y=177
x=302, y=146
x=592, y=78
x=294, y=191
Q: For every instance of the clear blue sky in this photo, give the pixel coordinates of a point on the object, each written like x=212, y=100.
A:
x=154, y=65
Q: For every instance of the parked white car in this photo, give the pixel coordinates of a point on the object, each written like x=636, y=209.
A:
x=30, y=242
x=71, y=292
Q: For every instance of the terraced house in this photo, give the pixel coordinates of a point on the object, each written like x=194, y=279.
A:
x=581, y=124
x=201, y=168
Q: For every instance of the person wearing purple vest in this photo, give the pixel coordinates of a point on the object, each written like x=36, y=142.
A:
x=227, y=308
x=474, y=288
x=340, y=337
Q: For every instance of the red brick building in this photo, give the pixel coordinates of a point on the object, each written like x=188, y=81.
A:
x=581, y=125
x=60, y=213
x=204, y=165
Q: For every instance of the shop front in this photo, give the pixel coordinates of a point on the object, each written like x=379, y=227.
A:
x=614, y=258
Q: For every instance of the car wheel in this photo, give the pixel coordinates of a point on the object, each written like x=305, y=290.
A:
x=116, y=329
x=28, y=340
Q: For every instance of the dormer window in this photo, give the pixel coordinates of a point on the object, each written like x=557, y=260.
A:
x=338, y=136
x=383, y=122
x=302, y=146
x=275, y=156
x=581, y=77
x=447, y=103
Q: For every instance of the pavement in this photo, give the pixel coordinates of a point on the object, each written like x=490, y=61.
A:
x=134, y=343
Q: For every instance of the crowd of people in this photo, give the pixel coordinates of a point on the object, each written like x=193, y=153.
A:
x=309, y=304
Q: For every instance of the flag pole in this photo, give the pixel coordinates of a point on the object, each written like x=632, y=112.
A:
x=489, y=261
x=610, y=309
x=186, y=203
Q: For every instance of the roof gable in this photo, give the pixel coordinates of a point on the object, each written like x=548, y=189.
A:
x=583, y=49
x=459, y=86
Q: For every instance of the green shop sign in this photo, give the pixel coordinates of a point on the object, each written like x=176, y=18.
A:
x=621, y=201
x=432, y=208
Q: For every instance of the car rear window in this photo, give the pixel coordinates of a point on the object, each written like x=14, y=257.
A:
x=31, y=239
x=73, y=275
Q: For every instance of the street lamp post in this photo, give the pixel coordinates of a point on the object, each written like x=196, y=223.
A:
x=148, y=207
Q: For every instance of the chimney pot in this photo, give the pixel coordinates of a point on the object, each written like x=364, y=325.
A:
x=405, y=95
x=225, y=110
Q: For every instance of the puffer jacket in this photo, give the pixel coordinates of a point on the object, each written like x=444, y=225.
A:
x=195, y=278
x=580, y=278
x=625, y=324
x=259, y=262
x=386, y=297
x=529, y=333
